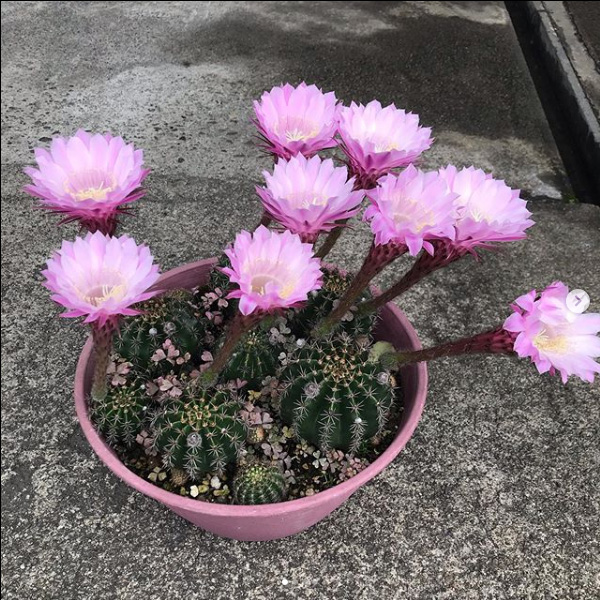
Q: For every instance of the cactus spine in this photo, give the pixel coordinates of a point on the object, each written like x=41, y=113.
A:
x=259, y=484
x=334, y=396
x=200, y=433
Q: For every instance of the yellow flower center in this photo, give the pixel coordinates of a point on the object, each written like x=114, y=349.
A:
x=478, y=215
x=296, y=129
x=558, y=344
x=284, y=288
x=383, y=143
x=99, y=295
x=92, y=184
x=419, y=218
x=113, y=287
x=386, y=146
x=306, y=199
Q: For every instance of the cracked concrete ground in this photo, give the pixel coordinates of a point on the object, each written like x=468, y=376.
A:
x=495, y=495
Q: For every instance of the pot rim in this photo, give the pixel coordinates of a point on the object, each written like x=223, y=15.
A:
x=406, y=428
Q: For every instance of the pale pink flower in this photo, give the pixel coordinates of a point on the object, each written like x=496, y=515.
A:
x=411, y=208
x=378, y=139
x=100, y=277
x=487, y=209
x=554, y=336
x=308, y=196
x=272, y=270
x=296, y=120
x=88, y=178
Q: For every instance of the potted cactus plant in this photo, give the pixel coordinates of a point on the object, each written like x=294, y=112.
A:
x=254, y=392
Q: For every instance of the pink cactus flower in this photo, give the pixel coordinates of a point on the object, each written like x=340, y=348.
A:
x=411, y=208
x=308, y=196
x=377, y=139
x=100, y=277
x=488, y=210
x=88, y=178
x=296, y=120
x=273, y=270
x=555, y=333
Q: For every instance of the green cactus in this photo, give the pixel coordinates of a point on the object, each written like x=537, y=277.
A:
x=254, y=358
x=334, y=396
x=199, y=433
x=120, y=415
x=321, y=302
x=171, y=316
x=259, y=484
x=217, y=278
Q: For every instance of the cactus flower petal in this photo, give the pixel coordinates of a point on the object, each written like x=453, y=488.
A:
x=99, y=276
x=87, y=178
x=410, y=209
x=377, y=139
x=488, y=210
x=308, y=196
x=272, y=270
x=296, y=120
x=554, y=334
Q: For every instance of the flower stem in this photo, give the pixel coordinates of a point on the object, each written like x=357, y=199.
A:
x=444, y=254
x=265, y=221
x=330, y=241
x=102, y=336
x=240, y=325
x=309, y=238
x=106, y=224
x=334, y=234
x=377, y=259
x=495, y=341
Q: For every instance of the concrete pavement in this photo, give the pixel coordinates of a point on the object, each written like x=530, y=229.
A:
x=493, y=498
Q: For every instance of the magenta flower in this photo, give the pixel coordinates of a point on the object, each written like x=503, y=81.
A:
x=308, y=196
x=555, y=333
x=296, y=120
x=100, y=277
x=272, y=270
x=88, y=178
x=488, y=210
x=378, y=139
x=411, y=208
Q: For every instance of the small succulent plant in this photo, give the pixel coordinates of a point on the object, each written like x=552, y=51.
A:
x=200, y=432
x=334, y=396
x=170, y=317
x=259, y=484
x=120, y=415
x=321, y=302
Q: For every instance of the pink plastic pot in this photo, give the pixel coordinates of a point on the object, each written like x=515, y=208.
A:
x=267, y=521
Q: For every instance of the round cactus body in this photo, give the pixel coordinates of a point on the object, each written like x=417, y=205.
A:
x=218, y=279
x=321, y=302
x=259, y=484
x=334, y=396
x=171, y=317
x=200, y=433
x=254, y=358
x=121, y=414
